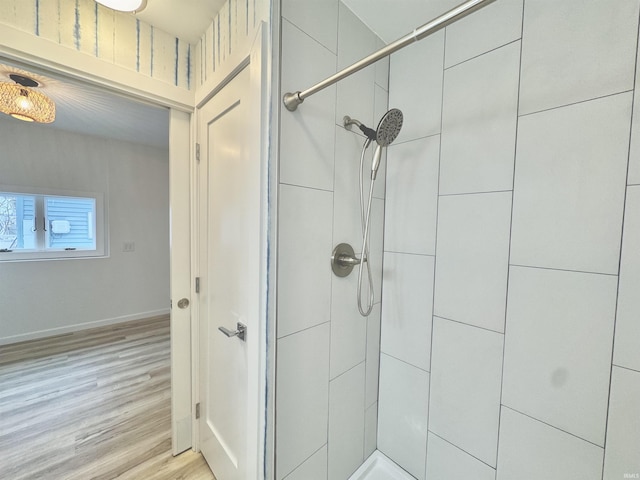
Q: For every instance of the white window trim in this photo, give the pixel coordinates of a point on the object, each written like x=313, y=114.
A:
x=101, y=221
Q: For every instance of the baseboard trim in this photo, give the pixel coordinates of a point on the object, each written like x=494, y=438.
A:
x=23, y=337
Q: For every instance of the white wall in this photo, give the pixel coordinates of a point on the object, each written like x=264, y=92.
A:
x=327, y=354
x=505, y=206
x=39, y=298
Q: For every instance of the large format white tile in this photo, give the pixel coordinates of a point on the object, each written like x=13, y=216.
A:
x=304, y=274
x=558, y=348
x=407, y=307
x=382, y=68
x=373, y=357
x=531, y=450
x=381, y=107
x=418, y=93
x=307, y=135
x=623, y=433
x=472, y=260
x=355, y=95
x=575, y=50
x=346, y=423
x=376, y=245
x=479, y=114
x=495, y=25
x=348, y=327
x=569, y=188
x=412, y=196
x=627, y=345
x=370, y=430
x=302, y=397
x=466, y=374
x=347, y=225
x=402, y=414
x=634, y=155
x=317, y=18
x=314, y=468
x=445, y=462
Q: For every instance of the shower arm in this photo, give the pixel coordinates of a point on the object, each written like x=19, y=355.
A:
x=292, y=100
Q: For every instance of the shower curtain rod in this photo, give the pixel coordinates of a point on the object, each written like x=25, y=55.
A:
x=292, y=100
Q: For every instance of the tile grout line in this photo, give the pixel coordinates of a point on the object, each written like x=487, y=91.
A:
x=461, y=449
x=513, y=187
x=531, y=417
x=579, y=102
x=435, y=244
x=567, y=270
x=622, y=231
x=485, y=53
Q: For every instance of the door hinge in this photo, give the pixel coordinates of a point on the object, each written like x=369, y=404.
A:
x=197, y=152
x=197, y=411
x=197, y=284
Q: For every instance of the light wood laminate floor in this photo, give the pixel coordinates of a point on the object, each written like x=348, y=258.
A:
x=92, y=405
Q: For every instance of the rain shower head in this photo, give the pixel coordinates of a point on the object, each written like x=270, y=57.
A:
x=387, y=131
x=389, y=127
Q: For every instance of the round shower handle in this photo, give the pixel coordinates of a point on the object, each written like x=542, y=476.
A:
x=343, y=259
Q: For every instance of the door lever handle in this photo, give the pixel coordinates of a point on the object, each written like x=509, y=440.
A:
x=241, y=332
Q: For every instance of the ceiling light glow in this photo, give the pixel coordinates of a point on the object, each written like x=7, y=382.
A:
x=124, y=5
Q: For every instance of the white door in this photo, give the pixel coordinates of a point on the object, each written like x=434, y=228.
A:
x=230, y=278
x=180, y=196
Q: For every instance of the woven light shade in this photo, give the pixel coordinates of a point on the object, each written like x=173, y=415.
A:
x=26, y=103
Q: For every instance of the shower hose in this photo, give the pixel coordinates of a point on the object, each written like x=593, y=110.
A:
x=365, y=220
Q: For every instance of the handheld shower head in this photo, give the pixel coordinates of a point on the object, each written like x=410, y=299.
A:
x=387, y=131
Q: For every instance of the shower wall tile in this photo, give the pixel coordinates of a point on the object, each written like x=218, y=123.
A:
x=574, y=51
x=446, y=461
x=376, y=247
x=406, y=308
x=304, y=275
x=347, y=225
x=370, y=430
x=412, y=196
x=422, y=113
x=308, y=134
x=479, y=116
x=558, y=348
x=318, y=18
x=623, y=432
x=472, y=259
x=348, y=327
x=382, y=68
x=466, y=375
x=356, y=92
x=303, y=393
x=569, y=186
x=531, y=450
x=402, y=414
x=373, y=357
x=634, y=156
x=314, y=468
x=490, y=27
x=627, y=339
x=381, y=106
x=346, y=423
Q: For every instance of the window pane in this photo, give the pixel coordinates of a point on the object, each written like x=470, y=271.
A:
x=17, y=214
x=70, y=223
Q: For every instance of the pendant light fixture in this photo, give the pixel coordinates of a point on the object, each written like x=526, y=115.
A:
x=22, y=101
x=124, y=5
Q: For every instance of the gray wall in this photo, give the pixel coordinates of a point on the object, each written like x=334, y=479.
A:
x=40, y=298
x=510, y=313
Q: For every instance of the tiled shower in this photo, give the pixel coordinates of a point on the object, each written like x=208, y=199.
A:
x=507, y=332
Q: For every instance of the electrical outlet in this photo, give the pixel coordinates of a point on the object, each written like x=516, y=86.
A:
x=128, y=247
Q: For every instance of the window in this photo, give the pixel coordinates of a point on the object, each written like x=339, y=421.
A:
x=44, y=225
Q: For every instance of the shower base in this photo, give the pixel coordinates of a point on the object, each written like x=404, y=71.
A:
x=379, y=467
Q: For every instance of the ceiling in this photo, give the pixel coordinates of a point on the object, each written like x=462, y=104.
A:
x=186, y=19
x=85, y=109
